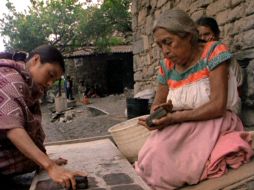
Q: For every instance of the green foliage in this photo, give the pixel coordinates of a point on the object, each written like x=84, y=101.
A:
x=117, y=14
x=115, y=41
x=17, y=27
x=113, y=17
x=66, y=24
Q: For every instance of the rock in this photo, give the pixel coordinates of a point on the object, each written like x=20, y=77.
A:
x=69, y=115
x=62, y=120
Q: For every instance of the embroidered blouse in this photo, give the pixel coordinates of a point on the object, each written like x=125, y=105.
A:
x=191, y=88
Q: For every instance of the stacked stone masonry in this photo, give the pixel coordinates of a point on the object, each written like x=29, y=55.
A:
x=236, y=22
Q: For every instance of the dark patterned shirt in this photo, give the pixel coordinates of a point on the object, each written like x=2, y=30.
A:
x=19, y=108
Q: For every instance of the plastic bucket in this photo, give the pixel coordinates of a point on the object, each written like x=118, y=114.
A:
x=137, y=107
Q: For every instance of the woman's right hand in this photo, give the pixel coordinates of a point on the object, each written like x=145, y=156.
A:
x=168, y=106
x=20, y=138
x=63, y=176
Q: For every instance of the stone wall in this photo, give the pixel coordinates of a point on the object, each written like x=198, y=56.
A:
x=236, y=22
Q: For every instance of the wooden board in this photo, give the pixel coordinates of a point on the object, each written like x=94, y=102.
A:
x=107, y=167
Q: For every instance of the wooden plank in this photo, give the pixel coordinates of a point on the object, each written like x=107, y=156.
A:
x=101, y=159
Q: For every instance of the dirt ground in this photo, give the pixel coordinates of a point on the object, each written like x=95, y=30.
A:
x=86, y=122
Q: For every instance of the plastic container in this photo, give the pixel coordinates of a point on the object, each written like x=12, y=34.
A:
x=137, y=107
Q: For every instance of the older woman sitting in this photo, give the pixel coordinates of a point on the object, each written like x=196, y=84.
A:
x=202, y=136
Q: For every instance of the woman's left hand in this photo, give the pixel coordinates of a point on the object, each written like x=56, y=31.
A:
x=158, y=123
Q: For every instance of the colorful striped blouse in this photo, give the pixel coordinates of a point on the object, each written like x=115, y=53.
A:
x=191, y=88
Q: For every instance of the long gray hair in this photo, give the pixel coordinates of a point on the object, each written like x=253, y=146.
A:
x=177, y=22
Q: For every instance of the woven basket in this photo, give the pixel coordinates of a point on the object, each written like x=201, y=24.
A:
x=129, y=136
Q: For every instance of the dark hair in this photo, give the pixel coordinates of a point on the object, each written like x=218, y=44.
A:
x=5, y=55
x=20, y=56
x=48, y=54
x=211, y=23
x=17, y=56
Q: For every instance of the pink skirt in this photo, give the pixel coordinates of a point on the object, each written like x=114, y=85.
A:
x=190, y=152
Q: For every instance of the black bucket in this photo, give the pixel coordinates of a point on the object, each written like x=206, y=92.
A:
x=137, y=107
